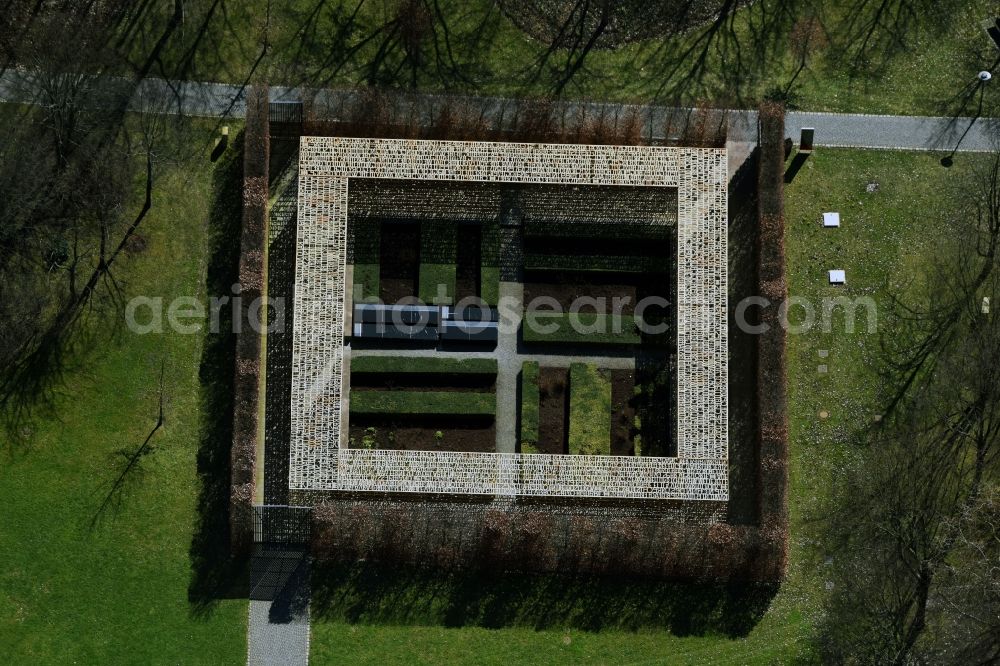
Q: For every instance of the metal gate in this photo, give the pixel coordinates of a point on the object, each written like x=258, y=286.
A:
x=282, y=524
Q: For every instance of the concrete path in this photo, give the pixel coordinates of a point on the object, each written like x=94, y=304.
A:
x=508, y=367
x=832, y=129
x=278, y=626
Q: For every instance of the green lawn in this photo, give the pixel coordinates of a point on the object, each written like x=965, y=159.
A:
x=885, y=238
x=529, y=407
x=118, y=592
x=580, y=328
x=589, y=410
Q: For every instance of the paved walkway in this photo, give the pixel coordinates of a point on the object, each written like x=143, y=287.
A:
x=508, y=367
x=278, y=626
x=832, y=129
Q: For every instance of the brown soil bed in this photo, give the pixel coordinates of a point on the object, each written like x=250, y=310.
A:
x=622, y=413
x=420, y=433
x=654, y=406
x=399, y=261
x=567, y=287
x=423, y=382
x=467, y=264
x=553, y=410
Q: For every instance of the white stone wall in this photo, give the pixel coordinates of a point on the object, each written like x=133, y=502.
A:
x=700, y=472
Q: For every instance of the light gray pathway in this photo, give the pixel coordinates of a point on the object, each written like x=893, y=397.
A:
x=832, y=129
x=278, y=625
x=508, y=366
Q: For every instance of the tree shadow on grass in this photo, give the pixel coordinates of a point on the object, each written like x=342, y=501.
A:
x=214, y=574
x=370, y=593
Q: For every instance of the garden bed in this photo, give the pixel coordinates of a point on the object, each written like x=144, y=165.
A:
x=468, y=262
x=423, y=365
x=423, y=402
x=593, y=329
x=623, y=430
x=553, y=410
x=529, y=407
x=399, y=261
x=589, y=410
x=423, y=433
x=567, y=287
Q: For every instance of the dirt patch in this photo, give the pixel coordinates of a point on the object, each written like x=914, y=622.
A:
x=399, y=261
x=422, y=433
x=654, y=406
x=467, y=264
x=567, y=287
x=622, y=413
x=553, y=410
x=135, y=244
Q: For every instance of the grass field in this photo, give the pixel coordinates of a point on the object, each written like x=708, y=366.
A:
x=479, y=50
x=135, y=587
x=885, y=237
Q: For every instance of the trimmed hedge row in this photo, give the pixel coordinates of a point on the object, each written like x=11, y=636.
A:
x=589, y=411
x=489, y=274
x=366, y=282
x=246, y=389
x=537, y=261
x=605, y=326
x=530, y=401
x=772, y=403
x=618, y=230
x=423, y=365
x=431, y=277
x=436, y=403
x=489, y=285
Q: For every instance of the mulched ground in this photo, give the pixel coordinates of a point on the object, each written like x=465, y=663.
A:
x=419, y=433
x=553, y=410
x=399, y=261
x=622, y=412
x=467, y=264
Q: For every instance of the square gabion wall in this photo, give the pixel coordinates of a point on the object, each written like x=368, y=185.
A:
x=318, y=461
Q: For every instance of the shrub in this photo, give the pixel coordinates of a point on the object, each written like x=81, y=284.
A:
x=604, y=325
x=529, y=407
x=432, y=276
x=423, y=402
x=246, y=391
x=772, y=405
x=366, y=282
x=589, y=410
x=438, y=251
x=423, y=365
x=489, y=289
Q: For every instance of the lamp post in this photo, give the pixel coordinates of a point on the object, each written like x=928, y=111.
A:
x=981, y=80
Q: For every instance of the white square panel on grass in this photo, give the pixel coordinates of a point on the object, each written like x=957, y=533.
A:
x=831, y=219
x=838, y=277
